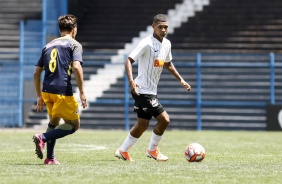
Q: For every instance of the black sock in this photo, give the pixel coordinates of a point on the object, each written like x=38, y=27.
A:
x=59, y=132
x=50, y=143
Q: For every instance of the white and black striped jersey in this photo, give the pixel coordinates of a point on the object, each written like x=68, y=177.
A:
x=151, y=55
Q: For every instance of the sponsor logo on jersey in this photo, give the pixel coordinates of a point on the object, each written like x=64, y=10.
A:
x=58, y=42
x=158, y=63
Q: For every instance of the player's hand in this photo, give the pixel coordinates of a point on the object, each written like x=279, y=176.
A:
x=133, y=87
x=40, y=104
x=83, y=100
x=185, y=85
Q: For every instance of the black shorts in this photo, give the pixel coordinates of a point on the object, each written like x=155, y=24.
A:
x=147, y=106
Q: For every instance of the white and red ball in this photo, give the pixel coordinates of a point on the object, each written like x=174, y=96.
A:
x=195, y=152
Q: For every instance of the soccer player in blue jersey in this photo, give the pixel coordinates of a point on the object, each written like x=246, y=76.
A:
x=59, y=58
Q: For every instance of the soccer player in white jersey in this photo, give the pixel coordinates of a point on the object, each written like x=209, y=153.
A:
x=152, y=53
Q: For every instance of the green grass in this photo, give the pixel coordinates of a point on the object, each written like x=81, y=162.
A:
x=88, y=157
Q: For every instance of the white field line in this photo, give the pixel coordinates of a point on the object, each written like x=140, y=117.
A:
x=64, y=147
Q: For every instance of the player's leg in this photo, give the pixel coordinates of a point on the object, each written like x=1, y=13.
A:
x=37, y=138
x=67, y=108
x=40, y=138
x=57, y=132
x=51, y=144
x=140, y=127
x=132, y=137
x=69, y=127
x=62, y=130
x=135, y=133
x=162, y=122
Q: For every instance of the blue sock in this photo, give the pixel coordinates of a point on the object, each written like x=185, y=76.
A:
x=51, y=143
x=59, y=132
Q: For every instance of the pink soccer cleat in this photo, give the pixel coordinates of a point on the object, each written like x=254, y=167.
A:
x=39, y=145
x=54, y=161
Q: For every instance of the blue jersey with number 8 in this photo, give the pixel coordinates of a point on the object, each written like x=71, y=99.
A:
x=56, y=59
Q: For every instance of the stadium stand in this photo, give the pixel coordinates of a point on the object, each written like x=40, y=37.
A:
x=233, y=28
x=251, y=28
x=91, y=27
x=214, y=24
x=224, y=85
x=236, y=26
x=11, y=13
x=109, y=24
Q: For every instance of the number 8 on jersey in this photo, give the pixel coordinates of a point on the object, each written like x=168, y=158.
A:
x=53, y=61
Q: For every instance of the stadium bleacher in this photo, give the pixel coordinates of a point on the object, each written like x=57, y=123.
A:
x=237, y=31
x=92, y=31
x=236, y=26
x=109, y=24
x=220, y=117
x=11, y=13
x=220, y=28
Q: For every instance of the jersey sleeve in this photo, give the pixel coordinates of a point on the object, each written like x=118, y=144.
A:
x=138, y=51
x=77, y=53
x=169, y=55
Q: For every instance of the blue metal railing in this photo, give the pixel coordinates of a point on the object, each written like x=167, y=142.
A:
x=52, y=9
x=126, y=101
x=200, y=102
x=44, y=22
x=199, y=63
x=21, y=76
x=272, y=78
x=199, y=98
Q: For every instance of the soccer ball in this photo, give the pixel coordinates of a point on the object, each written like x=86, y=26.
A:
x=195, y=152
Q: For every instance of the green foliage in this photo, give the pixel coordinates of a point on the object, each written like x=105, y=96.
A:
x=88, y=157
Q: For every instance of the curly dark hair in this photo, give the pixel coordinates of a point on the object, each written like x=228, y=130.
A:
x=67, y=22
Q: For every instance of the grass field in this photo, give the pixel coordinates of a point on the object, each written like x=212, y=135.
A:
x=88, y=157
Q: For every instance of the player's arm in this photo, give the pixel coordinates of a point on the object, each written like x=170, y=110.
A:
x=78, y=73
x=37, y=84
x=170, y=67
x=128, y=68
